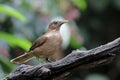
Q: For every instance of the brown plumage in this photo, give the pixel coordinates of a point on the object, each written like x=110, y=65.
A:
x=46, y=45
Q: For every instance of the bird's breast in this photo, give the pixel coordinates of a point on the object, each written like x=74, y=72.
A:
x=54, y=39
x=52, y=45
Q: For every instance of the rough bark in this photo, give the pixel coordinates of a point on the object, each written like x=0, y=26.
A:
x=82, y=59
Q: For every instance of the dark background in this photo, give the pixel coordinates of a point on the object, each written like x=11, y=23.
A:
x=92, y=23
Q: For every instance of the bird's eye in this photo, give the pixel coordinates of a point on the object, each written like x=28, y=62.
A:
x=55, y=22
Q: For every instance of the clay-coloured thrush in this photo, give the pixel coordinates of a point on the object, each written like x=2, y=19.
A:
x=46, y=45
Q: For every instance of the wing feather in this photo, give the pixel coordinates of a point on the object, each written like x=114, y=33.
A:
x=39, y=42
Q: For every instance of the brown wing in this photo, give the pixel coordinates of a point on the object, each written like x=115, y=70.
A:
x=40, y=41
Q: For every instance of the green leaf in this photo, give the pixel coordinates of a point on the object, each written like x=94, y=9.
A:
x=81, y=4
x=15, y=41
x=11, y=12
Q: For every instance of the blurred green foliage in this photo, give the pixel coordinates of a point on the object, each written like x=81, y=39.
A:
x=74, y=43
x=81, y=4
x=6, y=65
x=11, y=12
x=92, y=23
x=15, y=41
x=96, y=77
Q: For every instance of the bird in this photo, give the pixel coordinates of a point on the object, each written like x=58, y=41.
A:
x=44, y=46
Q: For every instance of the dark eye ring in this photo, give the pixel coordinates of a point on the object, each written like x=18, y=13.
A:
x=55, y=22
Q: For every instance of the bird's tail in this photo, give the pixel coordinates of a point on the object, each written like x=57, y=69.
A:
x=23, y=58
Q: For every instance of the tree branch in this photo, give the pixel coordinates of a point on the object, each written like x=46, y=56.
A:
x=82, y=59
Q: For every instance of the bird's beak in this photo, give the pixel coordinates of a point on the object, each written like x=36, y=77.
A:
x=62, y=22
x=65, y=21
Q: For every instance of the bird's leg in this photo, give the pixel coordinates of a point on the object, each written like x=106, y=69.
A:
x=48, y=60
x=37, y=58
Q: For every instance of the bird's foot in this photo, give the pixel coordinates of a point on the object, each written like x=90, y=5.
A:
x=50, y=60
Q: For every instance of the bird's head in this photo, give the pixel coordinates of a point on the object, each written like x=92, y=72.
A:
x=55, y=25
